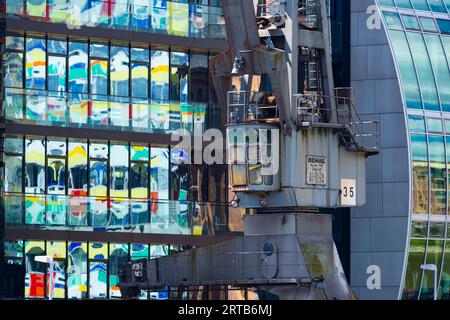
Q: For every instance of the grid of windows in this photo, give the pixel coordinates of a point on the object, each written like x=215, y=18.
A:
x=101, y=85
x=424, y=70
x=187, y=18
x=82, y=270
x=421, y=45
x=75, y=184
x=436, y=6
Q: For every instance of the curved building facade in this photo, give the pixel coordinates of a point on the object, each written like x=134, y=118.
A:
x=401, y=72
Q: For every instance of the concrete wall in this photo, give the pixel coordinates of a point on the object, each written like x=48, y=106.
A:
x=379, y=230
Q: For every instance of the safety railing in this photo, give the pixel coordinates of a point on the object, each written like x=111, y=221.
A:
x=251, y=107
x=102, y=214
x=339, y=110
x=187, y=19
x=271, y=13
x=309, y=14
x=76, y=110
x=238, y=268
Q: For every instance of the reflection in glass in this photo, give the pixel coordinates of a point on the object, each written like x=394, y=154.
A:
x=414, y=273
x=34, y=166
x=434, y=256
x=424, y=71
x=34, y=271
x=119, y=171
x=118, y=256
x=78, y=61
x=441, y=70
x=438, y=175
x=407, y=69
x=97, y=280
x=160, y=75
x=35, y=66
x=99, y=76
x=77, y=270
x=56, y=73
x=13, y=173
x=420, y=173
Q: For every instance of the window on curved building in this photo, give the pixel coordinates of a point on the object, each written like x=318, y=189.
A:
x=424, y=72
x=420, y=173
x=428, y=24
x=413, y=278
x=434, y=256
x=410, y=22
x=446, y=44
x=416, y=124
x=389, y=3
x=441, y=70
x=444, y=285
x=420, y=5
x=393, y=20
x=406, y=4
x=438, y=175
x=435, y=125
x=407, y=69
x=419, y=229
x=437, y=6
x=437, y=230
x=444, y=25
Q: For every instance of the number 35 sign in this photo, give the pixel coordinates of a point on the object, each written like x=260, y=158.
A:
x=348, y=192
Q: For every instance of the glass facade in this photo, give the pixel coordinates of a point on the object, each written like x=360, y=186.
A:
x=74, y=184
x=84, y=84
x=185, y=18
x=418, y=33
x=74, y=180
x=82, y=269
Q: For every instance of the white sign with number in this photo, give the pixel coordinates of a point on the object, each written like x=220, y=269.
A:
x=348, y=192
x=316, y=170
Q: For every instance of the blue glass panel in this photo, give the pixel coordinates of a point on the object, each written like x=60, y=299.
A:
x=407, y=69
x=410, y=22
x=437, y=6
x=428, y=24
x=424, y=71
x=404, y=4
x=420, y=5
x=440, y=68
x=389, y=3
x=393, y=20
x=444, y=25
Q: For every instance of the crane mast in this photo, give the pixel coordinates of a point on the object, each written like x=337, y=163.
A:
x=295, y=145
